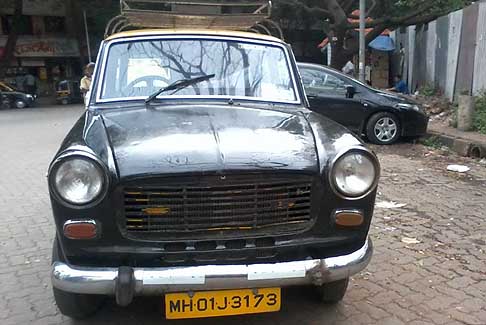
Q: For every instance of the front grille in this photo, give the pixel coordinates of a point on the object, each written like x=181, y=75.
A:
x=219, y=206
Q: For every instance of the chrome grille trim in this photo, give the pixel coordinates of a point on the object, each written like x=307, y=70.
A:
x=204, y=206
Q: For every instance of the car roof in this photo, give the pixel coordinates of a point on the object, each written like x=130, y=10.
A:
x=336, y=72
x=330, y=70
x=209, y=32
x=325, y=67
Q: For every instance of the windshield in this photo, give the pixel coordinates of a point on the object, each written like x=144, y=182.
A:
x=137, y=69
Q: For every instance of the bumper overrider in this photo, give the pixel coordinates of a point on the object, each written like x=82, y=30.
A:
x=126, y=282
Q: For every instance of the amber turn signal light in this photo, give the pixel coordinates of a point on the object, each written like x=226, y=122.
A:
x=80, y=229
x=349, y=218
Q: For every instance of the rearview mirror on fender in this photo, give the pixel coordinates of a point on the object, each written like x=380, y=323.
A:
x=350, y=91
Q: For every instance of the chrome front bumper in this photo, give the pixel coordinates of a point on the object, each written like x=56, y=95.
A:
x=154, y=281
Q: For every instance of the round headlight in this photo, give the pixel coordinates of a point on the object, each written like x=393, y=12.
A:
x=354, y=174
x=78, y=180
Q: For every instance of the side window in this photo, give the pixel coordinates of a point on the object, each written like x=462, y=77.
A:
x=311, y=79
x=334, y=83
x=317, y=82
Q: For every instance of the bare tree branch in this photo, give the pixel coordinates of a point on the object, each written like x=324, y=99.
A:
x=386, y=14
x=370, y=10
x=377, y=30
x=313, y=11
x=339, y=17
x=394, y=21
x=347, y=5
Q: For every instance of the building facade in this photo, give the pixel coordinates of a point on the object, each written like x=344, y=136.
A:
x=47, y=46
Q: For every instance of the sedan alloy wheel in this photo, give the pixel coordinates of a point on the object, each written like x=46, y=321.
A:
x=20, y=104
x=383, y=128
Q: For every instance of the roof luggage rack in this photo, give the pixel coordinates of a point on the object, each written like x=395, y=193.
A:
x=241, y=15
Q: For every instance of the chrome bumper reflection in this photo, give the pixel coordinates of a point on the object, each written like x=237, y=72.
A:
x=151, y=281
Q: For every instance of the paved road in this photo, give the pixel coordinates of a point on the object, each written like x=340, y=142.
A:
x=440, y=280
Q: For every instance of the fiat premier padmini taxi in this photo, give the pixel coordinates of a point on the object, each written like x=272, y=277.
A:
x=198, y=175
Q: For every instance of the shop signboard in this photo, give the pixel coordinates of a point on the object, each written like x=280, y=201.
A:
x=36, y=7
x=44, y=47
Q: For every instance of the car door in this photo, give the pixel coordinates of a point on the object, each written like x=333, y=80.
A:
x=326, y=93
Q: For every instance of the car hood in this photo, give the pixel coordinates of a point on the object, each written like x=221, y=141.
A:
x=16, y=93
x=395, y=97
x=203, y=138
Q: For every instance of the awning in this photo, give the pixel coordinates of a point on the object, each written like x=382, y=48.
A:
x=382, y=43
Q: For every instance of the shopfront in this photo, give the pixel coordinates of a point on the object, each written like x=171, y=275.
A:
x=50, y=60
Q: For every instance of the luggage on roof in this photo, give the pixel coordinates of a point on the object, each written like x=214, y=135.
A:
x=252, y=15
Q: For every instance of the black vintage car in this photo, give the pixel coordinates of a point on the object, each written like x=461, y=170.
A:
x=12, y=98
x=198, y=173
x=383, y=117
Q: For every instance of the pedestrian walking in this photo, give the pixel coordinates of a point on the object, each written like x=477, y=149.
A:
x=20, y=80
x=30, y=84
x=348, y=69
x=85, y=83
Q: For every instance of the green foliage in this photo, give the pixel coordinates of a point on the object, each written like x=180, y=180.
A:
x=479, y=123
x=293, y=10
x=480, y=114
x=98, y=14
x=455, y=108
x=432, y=142
x=428, y=90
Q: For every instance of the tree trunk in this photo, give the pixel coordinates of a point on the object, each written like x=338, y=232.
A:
x=9, y=50
x=76, y=26
x=340, y=56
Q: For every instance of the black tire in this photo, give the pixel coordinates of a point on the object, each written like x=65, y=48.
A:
x=332, y=292
x=77, y=306
x=20, y=104
x=390, y=128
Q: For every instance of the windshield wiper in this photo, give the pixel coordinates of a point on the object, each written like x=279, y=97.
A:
x=179, y=84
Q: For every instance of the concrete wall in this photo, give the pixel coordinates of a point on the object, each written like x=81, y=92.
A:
x=448, y=53
x=441, y=52
x=479, y=80
x=431, y=46
x=455, y=29
x=467, y=50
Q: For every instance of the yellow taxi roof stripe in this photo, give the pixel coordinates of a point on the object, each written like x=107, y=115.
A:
x=210, y=32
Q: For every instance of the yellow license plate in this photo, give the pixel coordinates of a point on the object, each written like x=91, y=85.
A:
x=221, y=303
